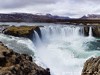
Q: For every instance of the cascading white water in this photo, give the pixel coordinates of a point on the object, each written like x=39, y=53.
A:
x=56, y=32
x=90, y=31
x=36, y=39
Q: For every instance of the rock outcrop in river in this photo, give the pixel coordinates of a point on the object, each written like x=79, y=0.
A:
x=22, y=31
x=12, y=63
x=92, y=67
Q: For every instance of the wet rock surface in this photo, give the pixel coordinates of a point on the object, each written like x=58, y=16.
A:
x=12, y=63
x=92, y=67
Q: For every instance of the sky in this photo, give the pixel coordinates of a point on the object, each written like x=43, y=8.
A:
x=71, y=8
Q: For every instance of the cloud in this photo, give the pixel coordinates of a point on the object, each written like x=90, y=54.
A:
x=72, y=8
x=9, y=4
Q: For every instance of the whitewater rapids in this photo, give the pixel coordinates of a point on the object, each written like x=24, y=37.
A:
x=63, y=49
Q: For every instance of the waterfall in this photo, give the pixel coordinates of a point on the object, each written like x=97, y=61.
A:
x=63, y=49
x=60, y=32
x=36, y=39
x=90, y=31
x=61, y=44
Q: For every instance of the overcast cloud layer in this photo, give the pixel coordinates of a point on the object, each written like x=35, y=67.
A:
x=72, y=8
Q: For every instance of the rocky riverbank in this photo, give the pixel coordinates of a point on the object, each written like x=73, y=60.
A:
x=92, y=67
x=12, y=63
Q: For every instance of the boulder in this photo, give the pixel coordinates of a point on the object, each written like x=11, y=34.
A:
x=92, y=67
x=12, y=63
x=22, y=31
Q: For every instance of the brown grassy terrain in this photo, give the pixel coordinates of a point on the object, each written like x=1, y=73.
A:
x=22, y=31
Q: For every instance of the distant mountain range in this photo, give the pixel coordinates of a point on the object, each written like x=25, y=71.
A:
x=48, y=18
x=25, y=17
x=91, y=16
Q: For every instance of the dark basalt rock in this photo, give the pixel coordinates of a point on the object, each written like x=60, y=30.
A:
x=2, y=61
x=86, y=31
x=96, y=31
x=12, y=63
x=92, y=67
